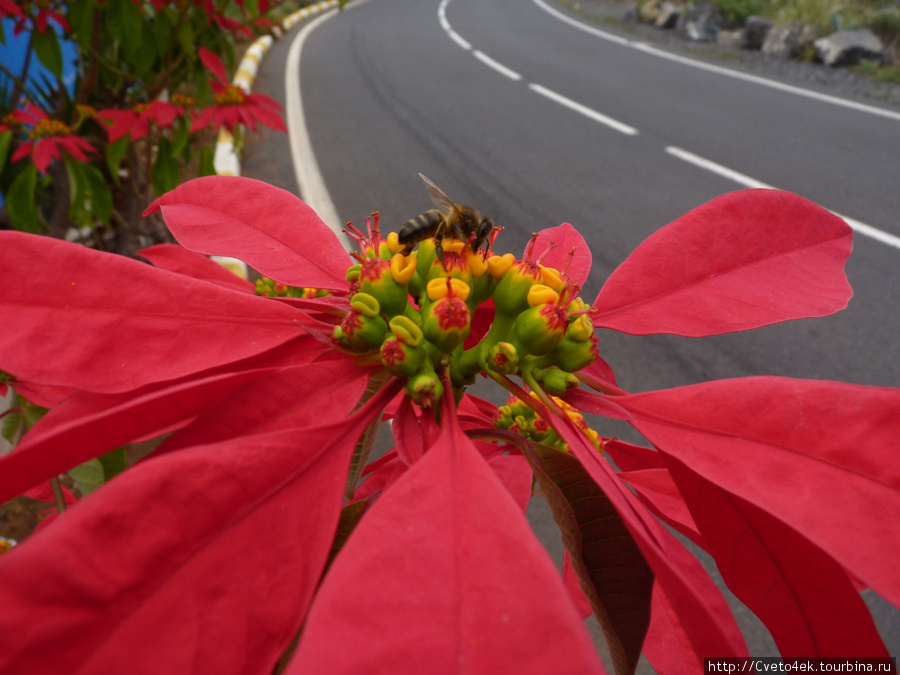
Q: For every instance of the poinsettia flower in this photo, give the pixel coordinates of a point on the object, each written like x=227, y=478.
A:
x=45, y=13
x=233, y=105
x=136, y=121
x=47, y=138
x=240, y=504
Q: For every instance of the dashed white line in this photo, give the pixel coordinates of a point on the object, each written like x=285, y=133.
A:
x=459, y=40
x=584, y=110
x=499, y=67
x=747, y=181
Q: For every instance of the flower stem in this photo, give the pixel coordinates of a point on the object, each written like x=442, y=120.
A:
x=58, y=497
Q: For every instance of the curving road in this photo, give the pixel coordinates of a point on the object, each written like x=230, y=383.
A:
x=515, y=108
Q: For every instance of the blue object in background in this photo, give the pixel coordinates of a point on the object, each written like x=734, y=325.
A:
x=12, y=56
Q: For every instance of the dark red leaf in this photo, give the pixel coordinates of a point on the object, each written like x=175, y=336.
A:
x=614, y=574
x=743, y=260
x=658, y=491
x=443, y=574
x=801, y=594
x=268, y=228
x=819, y=456
x=75, y=317
x=706, y=617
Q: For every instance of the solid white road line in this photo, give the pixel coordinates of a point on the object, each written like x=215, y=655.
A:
x=306, y=168
x=584, y=110
x=799, y=91
x=747, y=181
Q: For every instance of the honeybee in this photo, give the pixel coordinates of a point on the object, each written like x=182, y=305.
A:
x=454, y=221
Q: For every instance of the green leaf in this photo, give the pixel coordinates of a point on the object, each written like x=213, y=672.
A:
x=88, y=476
x=20, y=202
x=5, y=142
x=165, y=169
x=186, y=37
x=114, y=154
x=180, y=140
x=114, y=463
x=99, y=194
x=46, y=46
x=206, y=164
x=614, y=575
x=350, y=516
x=80, y=15
x=252, y=7
x=77, y=185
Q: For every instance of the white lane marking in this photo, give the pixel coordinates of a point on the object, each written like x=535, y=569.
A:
x=584, y=110
x=747, y=181
x=746, y=77
x=306, y=168
x=499, y=67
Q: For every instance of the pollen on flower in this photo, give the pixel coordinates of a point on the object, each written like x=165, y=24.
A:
x=48, y=127
x=233, y=95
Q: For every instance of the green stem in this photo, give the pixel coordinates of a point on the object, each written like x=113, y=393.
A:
x=58, y=497
x=367, y=442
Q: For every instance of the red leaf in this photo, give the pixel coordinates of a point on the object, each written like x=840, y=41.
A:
x=658, y=491
x=202, y=579
x=668, y=647
x=570, y=253
x=705, y=614
x=102, y=322
x=819, y=456
x=442, y=575
x=268, y=228
x=213, y=64
x=87, y=425
x=182, y=261
x=743, y=260
x=573, y=585
x=515, y=474
x=802, y=595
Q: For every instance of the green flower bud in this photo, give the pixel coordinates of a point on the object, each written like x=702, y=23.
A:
x=502, y=358
x=445, y=321
x=425, y=389
x=511, y=293
x=362, y=332
x=400, y=358
x=540, y=328
x=580, y=329
x=555, y=381
x=376, y=279
x=407, y=330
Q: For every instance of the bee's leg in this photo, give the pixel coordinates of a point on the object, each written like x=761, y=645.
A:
x=438, y=240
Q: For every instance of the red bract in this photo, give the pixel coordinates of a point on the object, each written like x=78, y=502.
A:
x=47, y=137
x=212, y=551
x=136, y=122
x=233, y=105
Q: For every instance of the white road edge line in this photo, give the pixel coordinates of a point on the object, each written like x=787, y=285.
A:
x=747, y=181
x=825, y=98
x=499, y=67
x=306, y=168
x=584, y=110
x=457, y=38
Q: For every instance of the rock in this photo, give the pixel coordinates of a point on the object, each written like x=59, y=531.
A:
x=700, y=22
x=756, y=28
x=789, y=39
x=848, y=47
x=668, y=15
x=648, y=11
x=630, y=15
x=732, y=39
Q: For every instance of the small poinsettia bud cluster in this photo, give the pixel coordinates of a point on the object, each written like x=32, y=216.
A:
x=517, y=416
x=275, y=289
x=416, y=309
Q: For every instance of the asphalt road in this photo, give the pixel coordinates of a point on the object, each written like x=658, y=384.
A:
x=483, y=97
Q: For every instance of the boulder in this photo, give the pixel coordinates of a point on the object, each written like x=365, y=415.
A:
x=756, y=28
x=668, y=15
x=848, y=47
x=648, y=11
x=700, y=21
x=789, y=39
x=732, y=39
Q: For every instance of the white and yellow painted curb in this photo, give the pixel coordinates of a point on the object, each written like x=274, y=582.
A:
x=226, y=159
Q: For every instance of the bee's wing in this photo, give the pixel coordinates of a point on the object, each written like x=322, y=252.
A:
x=437, y=195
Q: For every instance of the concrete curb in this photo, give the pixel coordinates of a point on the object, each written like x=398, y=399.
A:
x=227, y=160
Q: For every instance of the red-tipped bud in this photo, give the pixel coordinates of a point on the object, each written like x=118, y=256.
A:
x=540, y=328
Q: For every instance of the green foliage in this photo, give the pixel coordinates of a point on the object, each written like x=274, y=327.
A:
x=737, y=11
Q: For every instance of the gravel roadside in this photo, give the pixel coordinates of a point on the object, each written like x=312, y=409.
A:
x=842, y=82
